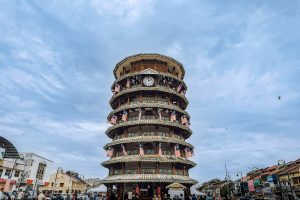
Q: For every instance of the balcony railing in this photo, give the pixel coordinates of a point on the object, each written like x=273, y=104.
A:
x=165, y=171
x=148, y=171
x=167, y=152
x=150, y=152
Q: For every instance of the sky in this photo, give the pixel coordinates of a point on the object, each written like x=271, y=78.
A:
x=56, y=69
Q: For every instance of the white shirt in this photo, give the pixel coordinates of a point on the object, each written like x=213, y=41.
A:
x=1, y=195
x=20, y=195
x=41, y=196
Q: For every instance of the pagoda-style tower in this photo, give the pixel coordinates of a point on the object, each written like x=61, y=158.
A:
x=149, y=127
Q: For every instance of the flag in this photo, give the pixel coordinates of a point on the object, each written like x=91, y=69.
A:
x=184, y=120
x=140, y=114
x=128, y=83
x=177, y=150
x=173, y=116
x=7, y=184
x=125, y=116
x=141, y=149
x=251, y=186
x=188, y=152
x=124, y=150
x=113, y=119
x=109, y=152
x=179, y=87
x=117, y=88
x=159, y=149
x=159, y=114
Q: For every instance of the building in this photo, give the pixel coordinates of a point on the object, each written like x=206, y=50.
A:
x=11, y=165
x=289, y=179
x=65, y=182
x=26, y=171
x=149, y=128
x=37, y=171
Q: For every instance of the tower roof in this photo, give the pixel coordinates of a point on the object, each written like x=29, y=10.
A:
x=147, y=56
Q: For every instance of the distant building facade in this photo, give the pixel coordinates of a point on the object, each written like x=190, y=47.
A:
x=29, y=172
x=65, y=182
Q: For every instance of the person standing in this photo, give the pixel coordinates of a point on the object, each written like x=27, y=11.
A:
x=68, y=196
x=41, y=196
x=20, y=195
x=1, y=193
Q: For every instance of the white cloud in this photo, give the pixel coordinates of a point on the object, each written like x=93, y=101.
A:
x=128, y=11
x=72, y=130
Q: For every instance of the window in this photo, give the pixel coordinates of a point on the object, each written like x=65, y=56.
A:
x=165, y=171
x=148, y=171
x=17, y=174
x=41, y=170
x=61, y=185
x=132, y=134
x=7, y=172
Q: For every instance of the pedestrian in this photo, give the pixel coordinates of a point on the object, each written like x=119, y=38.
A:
x=48, y=196
x=68, y=196
x=95, y=196
x=41, y=196
x=1, y=193
x=20, y=195
x=194, y=197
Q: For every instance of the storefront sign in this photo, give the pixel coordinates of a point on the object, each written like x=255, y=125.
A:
x=251, y=186
x=256, y=182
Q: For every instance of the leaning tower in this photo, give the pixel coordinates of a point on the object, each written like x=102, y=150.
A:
x=149, y=128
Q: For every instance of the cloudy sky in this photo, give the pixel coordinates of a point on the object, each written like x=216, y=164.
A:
x=57, y=57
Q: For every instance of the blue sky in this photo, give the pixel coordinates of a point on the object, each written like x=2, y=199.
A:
x=57, y=57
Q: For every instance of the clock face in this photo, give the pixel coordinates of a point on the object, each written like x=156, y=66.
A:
x=148, y=81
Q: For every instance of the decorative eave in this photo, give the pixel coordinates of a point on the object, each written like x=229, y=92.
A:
x=148, y=105
x=141, y=56
x=149, y=122
x=138, y=73
x=149, y=158
x=148, y=139
x=156, y=88
x=162, y=178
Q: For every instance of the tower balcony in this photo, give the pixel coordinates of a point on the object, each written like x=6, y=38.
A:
x=111, y=131
x=156, y=178
x=150, y=159
x=155, y=105
x=125, y=93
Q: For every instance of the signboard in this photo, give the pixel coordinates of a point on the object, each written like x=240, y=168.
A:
x=251, y=186
x=272, y=178
x=256, y=182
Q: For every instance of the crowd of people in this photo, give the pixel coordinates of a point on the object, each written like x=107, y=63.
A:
x=27, y=195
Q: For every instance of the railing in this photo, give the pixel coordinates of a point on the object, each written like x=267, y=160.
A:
x=165, y=171
x=119, y=153
x=148, y=171
x=130, y=171
x=150, y=152
x=132, y=134
x=179, y=172
x=150, y=133
x=163, y=88
x=133, y=152
x=167, y=152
